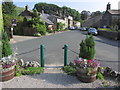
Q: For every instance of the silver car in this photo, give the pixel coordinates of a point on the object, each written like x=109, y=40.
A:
x=92, y=31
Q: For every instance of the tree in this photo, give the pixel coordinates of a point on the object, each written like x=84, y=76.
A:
x=85, y=14
x=1, y=27
x=35, y=13
x=96, y=13
x=6, y=49
x=47, y=8
x=56, y=10
x=87, y=48
x=38, y=24
x=60, y=26
x=72, y=12
x=8, y=8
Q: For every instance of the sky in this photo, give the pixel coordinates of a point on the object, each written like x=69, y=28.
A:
x=79, y=5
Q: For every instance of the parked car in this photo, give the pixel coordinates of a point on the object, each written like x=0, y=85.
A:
x=72, y=28
x=83, y=29
x=93, y=31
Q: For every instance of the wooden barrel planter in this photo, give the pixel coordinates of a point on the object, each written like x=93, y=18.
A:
x=84, y=77
x=8, y=72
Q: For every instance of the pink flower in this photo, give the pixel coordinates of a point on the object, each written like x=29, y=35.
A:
x=88, y=61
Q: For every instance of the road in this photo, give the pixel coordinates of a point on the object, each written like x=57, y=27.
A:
x=106, y=50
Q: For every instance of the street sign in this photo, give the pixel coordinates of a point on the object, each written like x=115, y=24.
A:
x=14, y=22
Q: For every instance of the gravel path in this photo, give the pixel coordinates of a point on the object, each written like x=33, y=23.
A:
x=53, y=78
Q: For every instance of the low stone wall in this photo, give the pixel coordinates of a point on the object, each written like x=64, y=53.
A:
x=109, y=34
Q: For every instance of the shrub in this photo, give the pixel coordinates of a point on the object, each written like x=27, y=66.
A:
x=8, y=20
x=27, y=71
x=60, y=26
x=41, y=28
x=87, y=48
x=37, y=35
x=6, y=49
x=69, y=70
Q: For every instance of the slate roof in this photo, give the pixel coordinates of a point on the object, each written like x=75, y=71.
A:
x=114, y=11
x=45, y=19
x=26, y=13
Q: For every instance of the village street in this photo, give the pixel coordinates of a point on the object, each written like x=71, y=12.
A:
x=106, y=50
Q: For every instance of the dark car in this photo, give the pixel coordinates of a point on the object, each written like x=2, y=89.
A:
x=93, y=31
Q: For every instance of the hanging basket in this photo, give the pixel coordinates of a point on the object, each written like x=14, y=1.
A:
x=82, y=75
x=8, y=72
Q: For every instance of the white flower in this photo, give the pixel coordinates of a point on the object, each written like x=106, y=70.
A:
x=85, y=60
x=80, y=59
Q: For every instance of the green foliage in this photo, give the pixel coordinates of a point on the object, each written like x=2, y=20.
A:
x=85, y=14
x=48, y=8
x=8, y=7
x=60, y=26
x=36, y=13
x=87, y=48
x=27, y=71
x=1, y=29
x=100, y=76
x=37, y=35
x=69, y=70
x=8, y=20
x=56, y=10
x=39, y=26
x=32, y=70
x=72, y=12
x=19, y=10
x=107, y=29
x=6, y=49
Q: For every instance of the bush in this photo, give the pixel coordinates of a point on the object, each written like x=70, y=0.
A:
x=8, y=20
x=69, y=70
x=87, y=48
x=27, y=71
x=6, y=49
x=60, y=26
x=37, y=35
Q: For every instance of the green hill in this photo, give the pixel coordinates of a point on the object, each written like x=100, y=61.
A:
x=19, y=10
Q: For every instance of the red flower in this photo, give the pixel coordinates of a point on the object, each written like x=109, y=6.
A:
x=88, y=61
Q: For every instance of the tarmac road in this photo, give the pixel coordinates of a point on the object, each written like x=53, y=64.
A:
x=106, y=50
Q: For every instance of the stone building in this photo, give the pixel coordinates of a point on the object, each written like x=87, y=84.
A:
x=109, y=18
x=27, y=13
x=67, y=21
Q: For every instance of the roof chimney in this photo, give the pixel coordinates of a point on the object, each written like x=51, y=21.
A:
x=108, y=6
x=26, y=7
x=42, y=11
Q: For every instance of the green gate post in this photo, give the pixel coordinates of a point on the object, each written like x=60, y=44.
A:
x=65, y=54
x=42, y=55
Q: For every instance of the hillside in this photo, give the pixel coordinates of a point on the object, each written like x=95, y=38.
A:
x=19, y=10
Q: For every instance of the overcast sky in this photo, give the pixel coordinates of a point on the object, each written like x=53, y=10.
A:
x=79, y=5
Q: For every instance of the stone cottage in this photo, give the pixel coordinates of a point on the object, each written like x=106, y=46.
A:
x=66, y=20
x=27, y=13
x=109, y=18
x=49, y=24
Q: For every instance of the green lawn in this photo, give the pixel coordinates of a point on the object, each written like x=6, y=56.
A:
x=107, y=29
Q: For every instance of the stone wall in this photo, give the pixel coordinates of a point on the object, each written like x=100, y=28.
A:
x=109, y=34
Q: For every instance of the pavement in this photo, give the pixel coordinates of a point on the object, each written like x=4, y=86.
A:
x=55, y=78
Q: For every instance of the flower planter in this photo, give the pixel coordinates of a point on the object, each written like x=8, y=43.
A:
x=8, y=72
x=82, y=75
